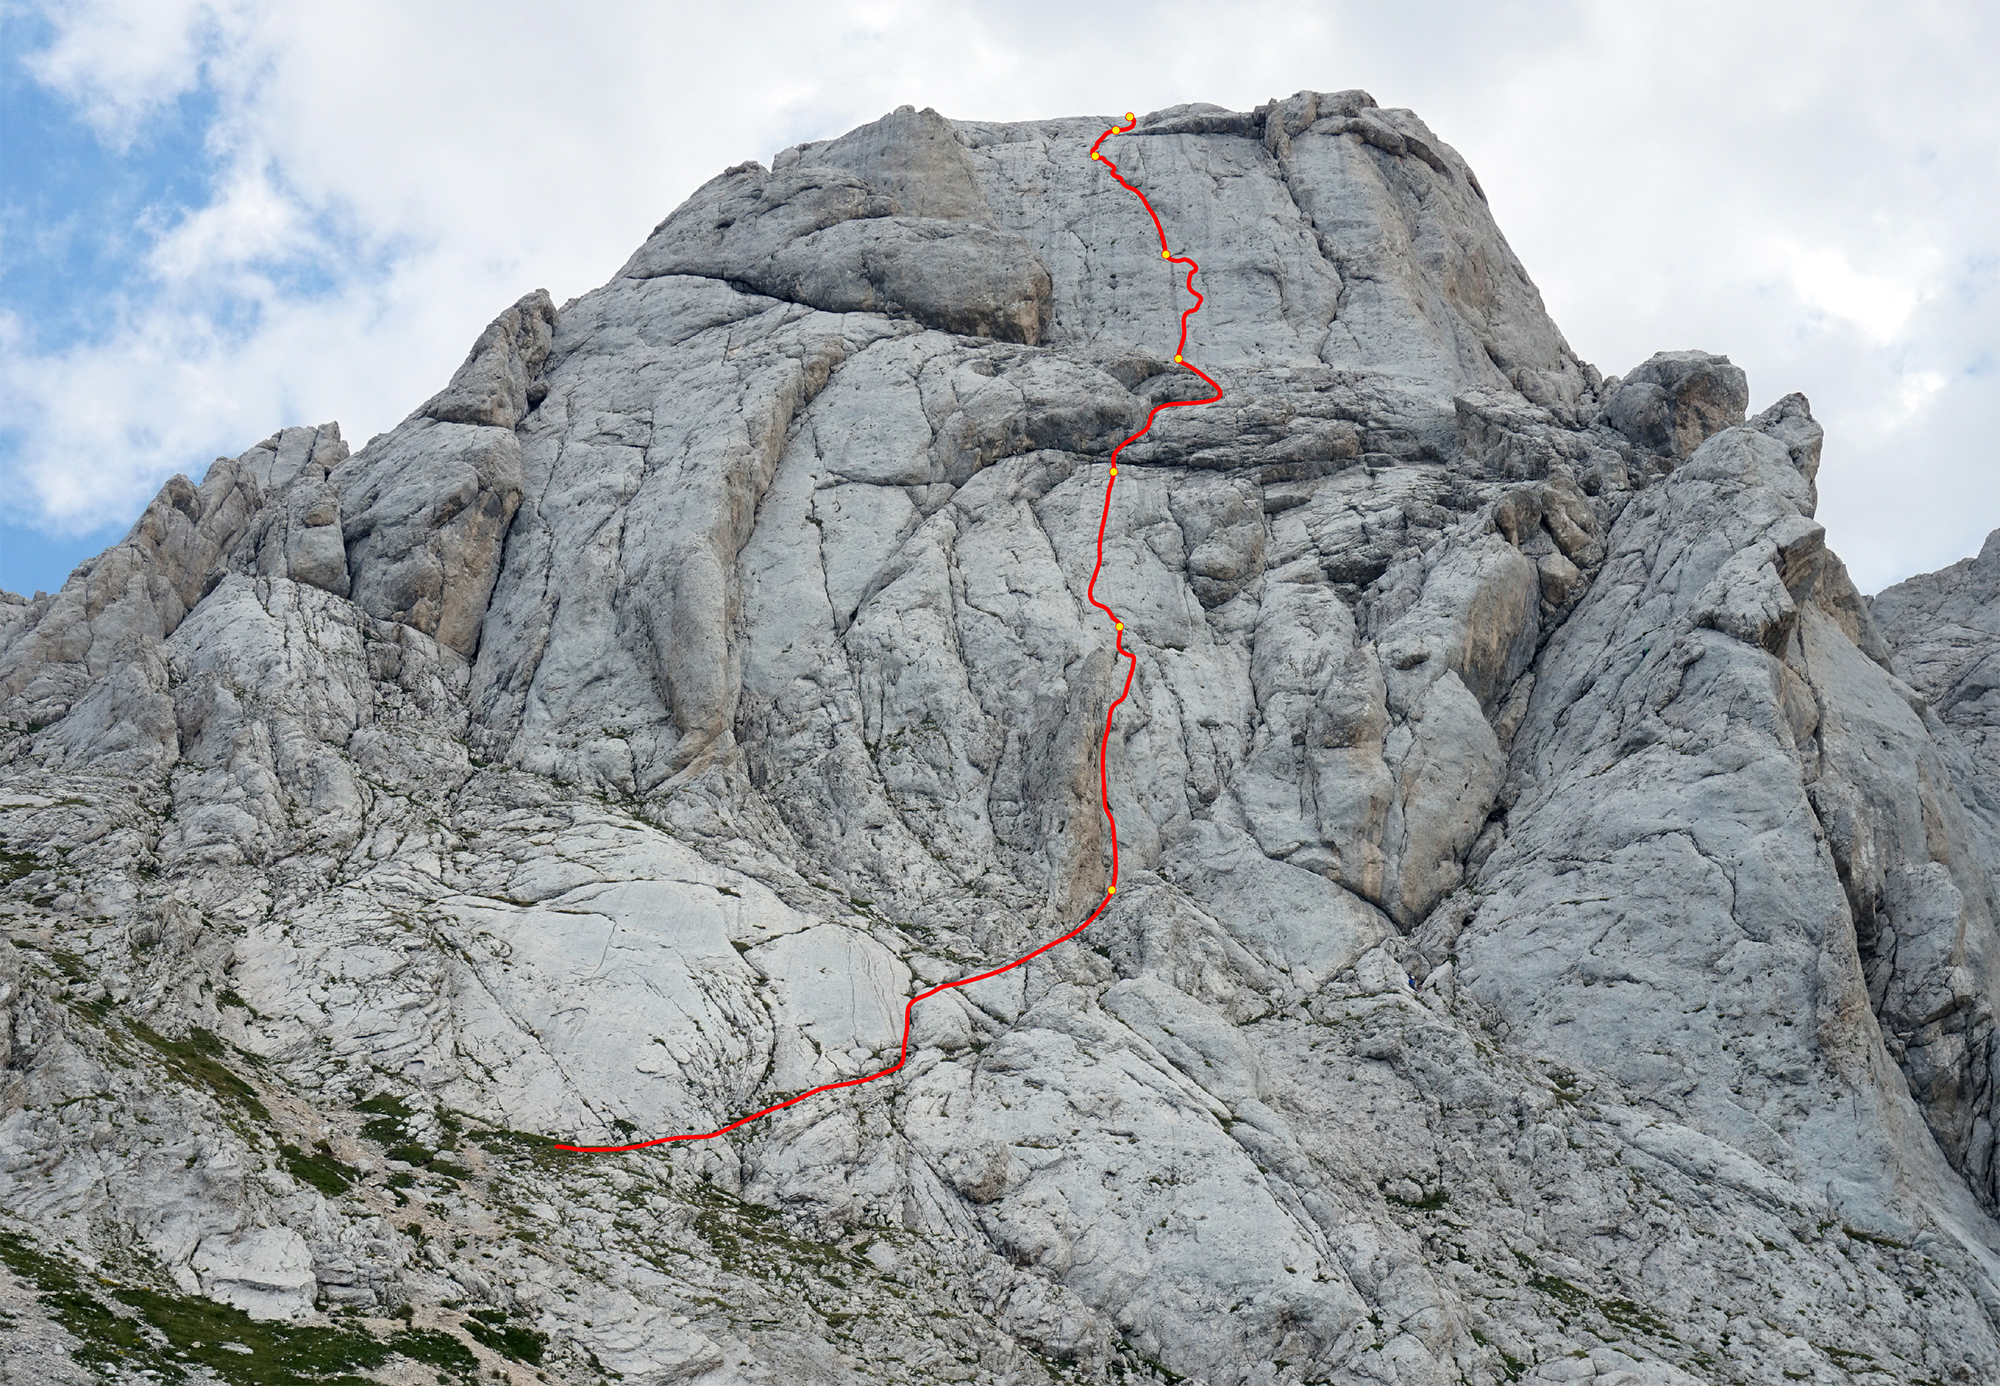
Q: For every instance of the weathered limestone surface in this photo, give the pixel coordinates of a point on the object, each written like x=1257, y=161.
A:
x=1556, y=939
x=1944, y=630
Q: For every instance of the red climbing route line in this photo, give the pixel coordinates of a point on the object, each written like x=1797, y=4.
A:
x=1104, y=744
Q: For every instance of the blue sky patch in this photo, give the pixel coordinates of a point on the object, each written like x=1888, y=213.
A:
x=76, y=216
x=80, y=215
x=30, y=559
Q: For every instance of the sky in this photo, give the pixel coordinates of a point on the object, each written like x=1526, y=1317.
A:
x=221, y=217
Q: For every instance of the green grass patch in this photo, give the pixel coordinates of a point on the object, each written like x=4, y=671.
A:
x=1874, y=1238
x=749, y=1239
x=491, y=1328
x=435, y=1348
x=1558, y=1288
x=280, y=1354
x=385, y=1131
x=1163, y=1373
x=320, y=1169
x=1513, y=1366
x=1630, y=1314
x=388, y=1127
x=389, y=1122
x=1429, y=1203
x=73, y=968
x=539, y=1151
x=1627, y=1314
x=197, y=1061
x=106, y=1341
x=15, y=865
x=123, y=1330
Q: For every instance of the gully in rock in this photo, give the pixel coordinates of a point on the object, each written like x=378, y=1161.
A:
x=1104, y=744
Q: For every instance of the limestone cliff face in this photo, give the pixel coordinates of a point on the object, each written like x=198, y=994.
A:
x=1557, y=939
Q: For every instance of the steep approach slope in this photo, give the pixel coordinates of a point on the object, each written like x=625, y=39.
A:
x=1555, y=942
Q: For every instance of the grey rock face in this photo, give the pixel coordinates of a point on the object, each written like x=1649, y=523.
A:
x=1556, y=932
x=427, y=507
x=1676, y=400
x=300, y=537
x=500, y=380
x=1943, y=629
x=1937, y=996
x=92, y=657
x=426, y=517
x=889, y=219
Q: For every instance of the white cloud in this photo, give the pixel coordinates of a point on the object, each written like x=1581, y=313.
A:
x=251, y=221
x=1914, y=393
x=1801, y=185
x=120, y=61
x=1879, y=304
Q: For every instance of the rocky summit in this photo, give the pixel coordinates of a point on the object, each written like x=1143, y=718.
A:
x=1556, y=936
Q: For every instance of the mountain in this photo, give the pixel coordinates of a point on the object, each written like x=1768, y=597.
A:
x=1556, y=931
